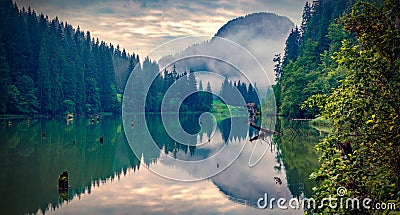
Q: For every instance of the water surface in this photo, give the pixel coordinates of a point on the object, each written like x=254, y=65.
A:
x=108, y=178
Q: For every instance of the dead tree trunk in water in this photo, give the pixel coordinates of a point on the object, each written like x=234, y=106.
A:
x=264, y=129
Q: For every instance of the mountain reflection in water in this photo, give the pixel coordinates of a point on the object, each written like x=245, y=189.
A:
x=108, y=178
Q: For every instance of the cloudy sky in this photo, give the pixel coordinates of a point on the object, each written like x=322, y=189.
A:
x=140, y=26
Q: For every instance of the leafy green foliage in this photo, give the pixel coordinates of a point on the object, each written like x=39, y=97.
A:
x=307, y=66
x=347, y=71
x=364, y=110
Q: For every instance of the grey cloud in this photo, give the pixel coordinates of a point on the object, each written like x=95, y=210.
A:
x=259, y=35
x=106, y=10
x=154, y=18
x=62, y=4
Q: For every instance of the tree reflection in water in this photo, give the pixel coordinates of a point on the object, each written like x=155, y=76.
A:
x=31, y=164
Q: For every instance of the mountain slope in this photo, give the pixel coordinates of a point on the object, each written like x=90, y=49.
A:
x=260, y=34
x=308, y=54
x=49, y=68
x=255, y=25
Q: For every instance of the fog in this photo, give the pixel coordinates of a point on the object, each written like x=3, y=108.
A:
x=242, y=49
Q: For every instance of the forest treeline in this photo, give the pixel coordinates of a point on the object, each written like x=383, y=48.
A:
x=248, y=93
x=343, y=64
x=151, y=91
x=147, y=87
x=50, y=68
x=304, y=69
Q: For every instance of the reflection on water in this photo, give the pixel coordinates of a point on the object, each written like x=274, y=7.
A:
x=107, y=178
x=34, y=154
x=297, y=154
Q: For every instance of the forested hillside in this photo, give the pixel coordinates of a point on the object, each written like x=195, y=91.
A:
x=303, y=71
x=50, y=68
x=343, y=64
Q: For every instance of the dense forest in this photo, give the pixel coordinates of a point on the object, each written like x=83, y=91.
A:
x=50, y=68
x=343, y=64
x=165, y=90
x=303, y=71
x=147, y=88
x=248, y=93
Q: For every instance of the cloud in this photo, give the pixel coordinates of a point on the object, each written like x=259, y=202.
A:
x=143, y=192
x=152, y=23
x=243, y=50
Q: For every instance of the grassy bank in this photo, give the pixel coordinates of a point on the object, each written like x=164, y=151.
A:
x=319, y=121
x=222, y=111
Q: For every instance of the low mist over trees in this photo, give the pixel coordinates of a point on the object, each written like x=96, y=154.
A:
x=49, y=68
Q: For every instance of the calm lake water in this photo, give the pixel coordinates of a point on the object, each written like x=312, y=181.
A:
x=109, y=178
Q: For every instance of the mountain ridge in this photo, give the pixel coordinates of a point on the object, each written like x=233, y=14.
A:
x=240, y=42
x=237, y=24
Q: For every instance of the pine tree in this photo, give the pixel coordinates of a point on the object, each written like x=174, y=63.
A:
x=305, y=17
x=209, y=97
x=192, y=101
x=131, y=66
x=225, y=91
x=278, y=67
x=200, y=85
x=292, y=46
x=307, y=52
x=52, y=68
x=4, y=79
x=44, y=84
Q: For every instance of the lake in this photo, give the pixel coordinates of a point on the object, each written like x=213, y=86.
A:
x=147, y=171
